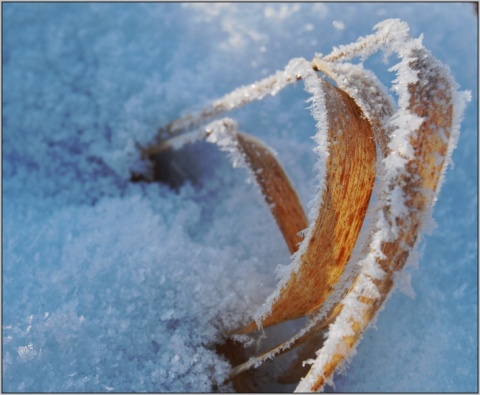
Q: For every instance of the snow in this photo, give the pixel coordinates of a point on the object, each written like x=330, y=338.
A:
x=110, y=285
x=338, y=25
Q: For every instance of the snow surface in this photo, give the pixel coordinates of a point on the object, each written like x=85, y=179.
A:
x=114, y=286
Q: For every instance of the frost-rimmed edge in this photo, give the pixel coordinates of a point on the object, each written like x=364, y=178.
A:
x=313, y=85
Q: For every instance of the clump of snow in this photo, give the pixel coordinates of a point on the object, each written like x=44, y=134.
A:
x=120, y=284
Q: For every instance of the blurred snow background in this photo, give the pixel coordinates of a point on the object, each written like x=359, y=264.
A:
x=110, y=285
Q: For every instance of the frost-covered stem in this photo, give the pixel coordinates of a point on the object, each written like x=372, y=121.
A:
x=390, y=36
x=233, y=100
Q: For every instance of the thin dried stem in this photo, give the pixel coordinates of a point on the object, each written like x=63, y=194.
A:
x=233, y=100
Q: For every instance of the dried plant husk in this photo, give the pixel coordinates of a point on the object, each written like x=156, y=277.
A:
x=396, y=252
x=376, y=108
x=415, y=181
x=342, y=278
x=349, y=180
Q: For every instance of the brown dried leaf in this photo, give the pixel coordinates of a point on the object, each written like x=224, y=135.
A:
x=276, y=188
x=349, y=181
